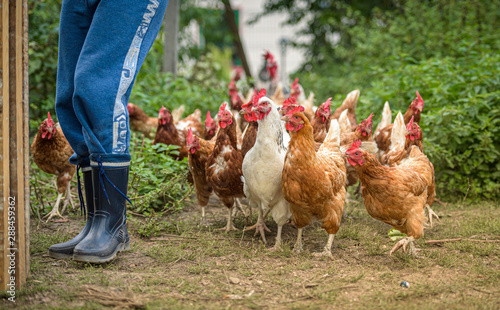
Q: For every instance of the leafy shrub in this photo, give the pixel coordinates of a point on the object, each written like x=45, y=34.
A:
x=43, y=38
x=156, y=182
x=447, y=50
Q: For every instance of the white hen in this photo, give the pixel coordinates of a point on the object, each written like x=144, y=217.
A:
x=263, y=166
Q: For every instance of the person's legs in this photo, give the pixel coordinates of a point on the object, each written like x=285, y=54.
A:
x=76, y=17
x=121, y=34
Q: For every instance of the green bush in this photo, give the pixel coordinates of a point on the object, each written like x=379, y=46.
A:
x=448, y=51
x=460, y=120
x=156, y=182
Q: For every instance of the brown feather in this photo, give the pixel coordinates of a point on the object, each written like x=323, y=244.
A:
x=197, y=163
x=139, y=121
x=52, y=156
x=397, y=196
x=313, y=182
x=223, y=166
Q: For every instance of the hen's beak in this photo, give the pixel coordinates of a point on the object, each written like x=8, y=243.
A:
x=243, y=112
x=285, y=118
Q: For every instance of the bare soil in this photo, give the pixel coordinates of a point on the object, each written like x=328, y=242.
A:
x=183, y=264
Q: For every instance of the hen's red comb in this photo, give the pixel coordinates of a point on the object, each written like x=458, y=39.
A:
x=209, y=117
x=369, y=120
x=162, y=110
x=355, y=145
x=258, y=95
x=419, y=98
x=296, y=109
x=245, y=105
x=295, y=82
x=328, y=102
x=268, y=56
x=223, y=107
x=289, y=101
x=189, y=138
x=410, y=123
x=49, y=121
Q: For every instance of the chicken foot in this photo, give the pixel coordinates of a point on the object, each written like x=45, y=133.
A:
x=68, y=200
x=432, y=214
x=404, y=243
x=55, y=209
x=229, y=225
x=260, y=226
x=327, y=250
x=297, y=248
x=204, y=217
x=247, y=214
x=277, y=244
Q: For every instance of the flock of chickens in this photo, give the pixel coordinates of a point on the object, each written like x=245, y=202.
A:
x=295, y=161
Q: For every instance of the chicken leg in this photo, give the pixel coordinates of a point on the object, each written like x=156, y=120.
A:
x=432, y=214
x=297, y=248
x=407, y=241
x=277, y=244
x=247, y=214
x=327, y=251
x=68, y=200
x=55, y=209
x=260, y=226
x=229, y=225
x=204, y=217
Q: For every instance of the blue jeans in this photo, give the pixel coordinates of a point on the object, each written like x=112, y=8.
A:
x=102, y=45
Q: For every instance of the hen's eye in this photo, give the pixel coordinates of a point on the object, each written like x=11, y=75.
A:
x=356, y=154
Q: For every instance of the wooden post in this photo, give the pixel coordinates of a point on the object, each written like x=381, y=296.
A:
x=231, y=19
x=14, y=146
x=171, y=30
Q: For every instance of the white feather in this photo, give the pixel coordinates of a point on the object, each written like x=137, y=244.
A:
x=263, y=165
x=344, y=123
x=386, y=118
x=398, y=133
x=352, y=96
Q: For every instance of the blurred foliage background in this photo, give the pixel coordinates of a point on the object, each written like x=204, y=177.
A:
x=445, y=49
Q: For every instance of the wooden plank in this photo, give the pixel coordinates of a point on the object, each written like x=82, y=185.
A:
x=26, y=138
x=5, y=143
x=14, y=177
x=17, y=104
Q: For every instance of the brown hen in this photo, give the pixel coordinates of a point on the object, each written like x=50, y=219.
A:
x=51, y=152
x=223, y=167
x=313, y=182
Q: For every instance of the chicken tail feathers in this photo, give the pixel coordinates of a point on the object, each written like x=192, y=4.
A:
x=177, y=113
x=398, y=133
x=332, y=139
x=386, y=117
x=350, y=101
x=344, y=123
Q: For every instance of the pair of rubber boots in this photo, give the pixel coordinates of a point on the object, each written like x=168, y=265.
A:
x=105, y=233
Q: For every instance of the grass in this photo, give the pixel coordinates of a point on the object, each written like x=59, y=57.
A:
x=176, y=263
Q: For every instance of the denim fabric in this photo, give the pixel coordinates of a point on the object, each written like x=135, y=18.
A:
x=102, y=45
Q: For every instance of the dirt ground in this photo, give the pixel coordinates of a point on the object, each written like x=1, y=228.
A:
x=182, y=264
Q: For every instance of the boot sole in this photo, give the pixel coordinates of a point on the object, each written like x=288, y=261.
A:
x=60, y=255
x=101, y=260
